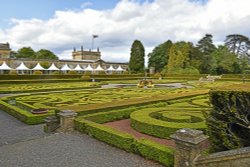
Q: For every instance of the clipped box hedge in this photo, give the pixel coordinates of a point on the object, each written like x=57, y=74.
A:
x=229, y=121
x=146, y=148
x=142, y=121
x=66, y=76
x=23, y=115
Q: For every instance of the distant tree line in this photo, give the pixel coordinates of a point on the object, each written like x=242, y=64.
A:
x=29, y=53
x=186, y=58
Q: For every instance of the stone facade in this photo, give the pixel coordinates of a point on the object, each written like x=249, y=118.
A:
x=86, y=55
x=5, y=50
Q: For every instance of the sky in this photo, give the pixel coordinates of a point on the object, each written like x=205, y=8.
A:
x=61, y=25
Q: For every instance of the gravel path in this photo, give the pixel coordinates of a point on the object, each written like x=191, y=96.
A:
x=13, y=131
x=68, y=150
x=25, y=146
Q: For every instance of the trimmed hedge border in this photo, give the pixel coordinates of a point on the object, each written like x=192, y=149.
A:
x=143, y=122
x=24, y=116
x=67, y=76
x=145, y=148
x=51, y=89
x=228, y=122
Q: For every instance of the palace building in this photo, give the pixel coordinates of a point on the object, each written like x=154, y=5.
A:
x=5, y=50
x=80, y=57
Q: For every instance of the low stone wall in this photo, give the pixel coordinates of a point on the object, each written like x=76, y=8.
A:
x=188, y=152
x=238, y=158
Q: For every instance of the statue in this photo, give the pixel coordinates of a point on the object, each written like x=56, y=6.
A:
x=145, y=84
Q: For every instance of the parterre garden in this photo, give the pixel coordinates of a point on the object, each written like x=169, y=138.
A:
x=157, y=112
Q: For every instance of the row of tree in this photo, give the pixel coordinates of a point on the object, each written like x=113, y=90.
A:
x=187, y=58
x=29, y=53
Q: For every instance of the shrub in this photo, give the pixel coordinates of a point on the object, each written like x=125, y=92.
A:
x=101, y=72
x=144, y=147
x=72, y=72
x=188, y=70
x=85, y=77
x=87, y=72
x=55, y=72
x=13, y=72
x=155, y=151
x=157, y=75
x=229, y=122
x=23, y=115
x=142, y=121
x=37, y=73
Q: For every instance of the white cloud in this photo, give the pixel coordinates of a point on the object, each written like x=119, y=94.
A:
x=86, y=4
x=152, y=23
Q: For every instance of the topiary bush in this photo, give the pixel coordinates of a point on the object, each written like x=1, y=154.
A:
x=13, y=72
x=72, y=72
x=229, y=121
x=37, y=73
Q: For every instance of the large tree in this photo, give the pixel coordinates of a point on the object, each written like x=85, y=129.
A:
x=46, y=54
x=226, y=62
x=137, y=55
x=159, y=57
x=26, y=52
x=206, y=47
x=238, y=44
x=178, y=56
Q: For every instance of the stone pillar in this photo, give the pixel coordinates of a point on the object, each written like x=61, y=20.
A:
x=188, y=146
x=66, y=120
x=51, y=124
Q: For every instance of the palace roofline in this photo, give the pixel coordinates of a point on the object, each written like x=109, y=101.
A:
x=64, y=60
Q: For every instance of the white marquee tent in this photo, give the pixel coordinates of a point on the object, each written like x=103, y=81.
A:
x=53, y=68
x=38, y=67
x=22, y=66
x=99, y=68
x=78, y=68
x=66, y=68
x=120, y=69
x=111, y=68
x=4, y=66
x=88, y=68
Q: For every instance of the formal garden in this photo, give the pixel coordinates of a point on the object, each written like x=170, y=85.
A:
x=157, y=111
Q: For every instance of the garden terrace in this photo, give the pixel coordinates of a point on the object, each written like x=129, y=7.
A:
x=92, y=125
x=95, y=100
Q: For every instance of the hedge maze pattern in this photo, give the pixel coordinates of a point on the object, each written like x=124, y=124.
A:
x=85, y=97
x=12, y=88
x=164, y=121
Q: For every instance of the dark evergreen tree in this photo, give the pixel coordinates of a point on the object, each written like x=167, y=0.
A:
x=137, y=55
x=159, y=57
x=226, y=62
x=238, y=44
x=195, y=57
x=228, y=122
x=206, y=47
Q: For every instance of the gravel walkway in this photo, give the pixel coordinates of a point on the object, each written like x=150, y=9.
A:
x=13, y=131
x=25, y=146
x=68, y=150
